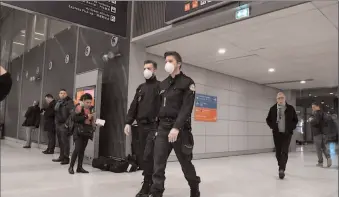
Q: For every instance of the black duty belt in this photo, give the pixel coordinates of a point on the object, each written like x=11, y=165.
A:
x=167, y=119
x=146, y=121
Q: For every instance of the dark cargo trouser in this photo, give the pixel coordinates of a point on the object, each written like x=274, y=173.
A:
x=320, y=145
x=64, y=141
x=162, y=150
x=146, y=134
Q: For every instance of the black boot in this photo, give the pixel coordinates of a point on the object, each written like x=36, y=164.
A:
x=81, y=170
x=281, y=174
x=48, y=152
x=57, y=160
x=195, y=192
x=65, y=161
x=145, y=189
x=71, y=170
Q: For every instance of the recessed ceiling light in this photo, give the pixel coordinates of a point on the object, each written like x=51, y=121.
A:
x=331, y=93
x=222, y=51
x=271, y=70
x=303, y=82
x=309, y=94
x=315, y=96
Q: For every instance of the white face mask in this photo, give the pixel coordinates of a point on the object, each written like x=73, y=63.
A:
x=148, y=74
x=169, y=67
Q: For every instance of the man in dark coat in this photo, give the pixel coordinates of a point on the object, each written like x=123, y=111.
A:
x=31, y=122
x=283, y=120
x=5, y=83
x=49, y=123
x=63, y=109
x=318, y=121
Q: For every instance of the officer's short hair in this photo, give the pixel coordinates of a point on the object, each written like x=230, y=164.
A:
x=63, y=90
x=86, y=97
x=155, y=65
x=316, y=104
x=49, y=96
x=175, y=54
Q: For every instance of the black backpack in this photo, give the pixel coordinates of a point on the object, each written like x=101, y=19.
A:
x=324, y=120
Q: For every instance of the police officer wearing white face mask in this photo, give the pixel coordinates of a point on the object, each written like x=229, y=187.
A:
x=177, y=94
x=144, y=109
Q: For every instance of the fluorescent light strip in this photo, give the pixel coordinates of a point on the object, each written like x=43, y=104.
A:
x=41, y=34
x=19, y=43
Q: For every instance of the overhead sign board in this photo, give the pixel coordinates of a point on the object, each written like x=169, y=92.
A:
x=179, y=10
x=108, y=16
x=242, y=12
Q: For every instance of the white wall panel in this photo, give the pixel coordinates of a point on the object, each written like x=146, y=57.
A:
x=238, y=113
x=237, y=128
x=237, y=143
x=221, y=127
x=216, y=144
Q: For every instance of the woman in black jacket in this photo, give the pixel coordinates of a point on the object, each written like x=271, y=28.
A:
x=83, y=131
x=31, y=122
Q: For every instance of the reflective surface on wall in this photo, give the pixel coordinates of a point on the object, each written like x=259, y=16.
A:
x=43, y=56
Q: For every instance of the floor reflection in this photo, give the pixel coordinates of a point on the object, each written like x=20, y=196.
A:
x=333, y=148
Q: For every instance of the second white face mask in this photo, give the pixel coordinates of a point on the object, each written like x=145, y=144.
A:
x=169, y=67
x=148, y=74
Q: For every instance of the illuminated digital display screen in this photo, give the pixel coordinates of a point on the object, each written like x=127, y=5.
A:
x=82, y=91
x=178, y=10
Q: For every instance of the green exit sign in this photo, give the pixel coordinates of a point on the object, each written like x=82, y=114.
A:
x=242, y=13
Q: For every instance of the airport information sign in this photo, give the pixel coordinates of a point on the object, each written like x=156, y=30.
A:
x=108, y=16
x=205, y=108
x=179, y=10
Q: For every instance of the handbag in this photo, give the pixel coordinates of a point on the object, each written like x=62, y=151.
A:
x=85, y=130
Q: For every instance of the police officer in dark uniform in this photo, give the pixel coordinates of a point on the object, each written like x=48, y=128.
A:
x=144, y=110
x=177, y=94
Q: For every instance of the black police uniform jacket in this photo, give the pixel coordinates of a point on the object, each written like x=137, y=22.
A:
x=177, y=99
x=146, y=102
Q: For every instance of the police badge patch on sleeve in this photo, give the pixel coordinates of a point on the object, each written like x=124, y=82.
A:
x=192, y=87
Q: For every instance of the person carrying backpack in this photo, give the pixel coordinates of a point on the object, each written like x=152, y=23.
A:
x=81, y=123
x=318, y=123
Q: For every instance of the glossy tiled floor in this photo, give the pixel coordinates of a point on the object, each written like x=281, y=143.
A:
x=29, y=173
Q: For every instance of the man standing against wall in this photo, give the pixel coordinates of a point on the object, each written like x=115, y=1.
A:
x=63, y=109
x=177, y=93
x=282, y=119
x=318, y=122
x=49, y=123
x=144, y=109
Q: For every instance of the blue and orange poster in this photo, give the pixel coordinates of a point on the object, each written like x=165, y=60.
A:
x=205, y=108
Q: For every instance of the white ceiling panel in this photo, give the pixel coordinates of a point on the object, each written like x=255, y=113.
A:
x=289, y=31
x=324, y=3
x=331, y=12
x=300, y=42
